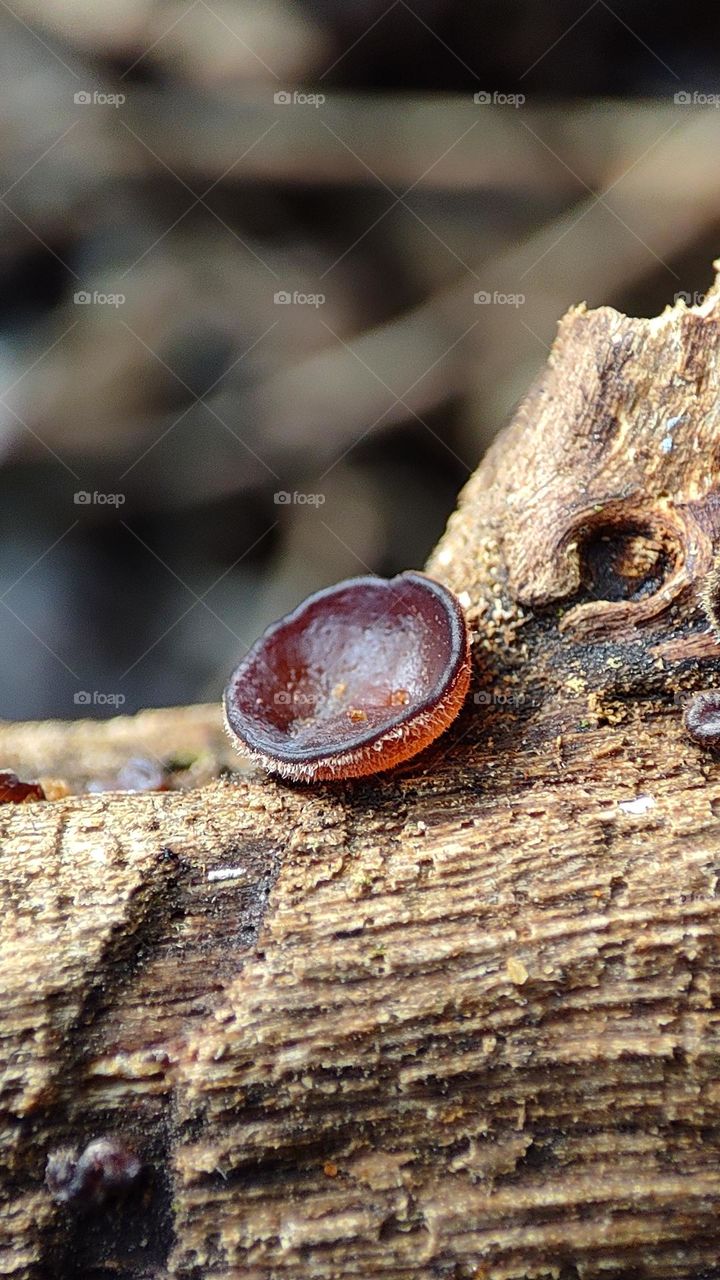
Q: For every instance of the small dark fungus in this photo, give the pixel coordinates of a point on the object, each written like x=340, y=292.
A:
x=702, y=718
x=105, y=1168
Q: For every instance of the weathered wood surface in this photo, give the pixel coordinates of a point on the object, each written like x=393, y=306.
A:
x=460, y=1021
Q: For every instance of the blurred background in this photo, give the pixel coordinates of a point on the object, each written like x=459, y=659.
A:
x=273, y=276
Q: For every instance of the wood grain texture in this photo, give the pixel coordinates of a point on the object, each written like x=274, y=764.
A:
x=462, y=1020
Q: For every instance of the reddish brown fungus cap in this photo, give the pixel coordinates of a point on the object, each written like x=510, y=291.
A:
x=358, y=678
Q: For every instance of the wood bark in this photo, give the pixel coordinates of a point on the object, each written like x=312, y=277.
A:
x=462, y=1020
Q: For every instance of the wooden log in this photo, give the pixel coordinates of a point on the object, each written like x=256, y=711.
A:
x=457, y=1021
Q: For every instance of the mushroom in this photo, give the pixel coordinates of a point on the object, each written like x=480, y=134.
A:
x=360, y=677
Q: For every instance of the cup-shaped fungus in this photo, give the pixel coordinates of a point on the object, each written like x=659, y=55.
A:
x=702, y=718
x=105, y=1168
x=359, y=678
x=701, y=714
